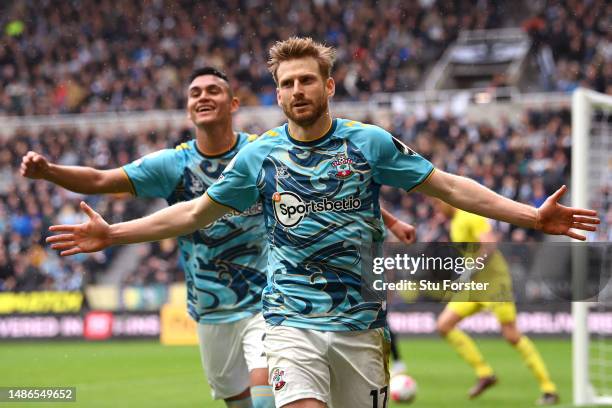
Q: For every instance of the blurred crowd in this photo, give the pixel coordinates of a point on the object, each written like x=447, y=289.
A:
x=29, y=207
x=573, y=42
x=123, y=56
x=525, y=160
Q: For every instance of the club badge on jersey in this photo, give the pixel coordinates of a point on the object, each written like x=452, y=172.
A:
x=342, y=166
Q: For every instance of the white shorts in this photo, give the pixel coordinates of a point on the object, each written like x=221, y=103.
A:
x=342, y=369
x=229, y=351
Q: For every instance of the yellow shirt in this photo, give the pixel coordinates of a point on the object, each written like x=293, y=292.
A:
x=468, y=227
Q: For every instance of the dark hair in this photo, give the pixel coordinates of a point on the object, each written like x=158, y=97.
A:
x=208, y=71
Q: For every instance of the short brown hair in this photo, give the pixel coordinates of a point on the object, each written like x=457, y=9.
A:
x=301, y=47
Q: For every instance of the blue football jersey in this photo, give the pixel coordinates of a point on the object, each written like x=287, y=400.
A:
x=225, y=262
x=320, y=203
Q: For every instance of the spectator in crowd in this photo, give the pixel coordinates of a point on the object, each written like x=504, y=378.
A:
x=120, y=56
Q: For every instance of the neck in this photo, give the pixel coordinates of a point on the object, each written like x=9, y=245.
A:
x=215, y=139
x=312, y=132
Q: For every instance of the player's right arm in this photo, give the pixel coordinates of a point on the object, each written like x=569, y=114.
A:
x=80, y=179
x=236, y=189
x=179, y=219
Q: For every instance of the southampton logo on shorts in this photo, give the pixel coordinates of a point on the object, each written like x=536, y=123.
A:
x=342, y=166
x=278, y=379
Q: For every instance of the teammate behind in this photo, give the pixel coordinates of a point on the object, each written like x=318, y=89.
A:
x=318, y=179
x=467, y=227
x=224, y=261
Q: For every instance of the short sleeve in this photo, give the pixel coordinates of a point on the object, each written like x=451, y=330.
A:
x=237, y=187
x=156, y=174
x=394, y=163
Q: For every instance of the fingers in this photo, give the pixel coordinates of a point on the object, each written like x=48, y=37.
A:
x=72, y=251
x=63, y=228
x=559, y=193
x=587, y=220
x=88, y=210
x=64, y=245
x=60, y=238
x=582, y=211
x=574, y=235
x=583, y=227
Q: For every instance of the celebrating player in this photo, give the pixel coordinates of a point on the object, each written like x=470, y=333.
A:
x=318, y=179
x=467, y=227
x=225, y=261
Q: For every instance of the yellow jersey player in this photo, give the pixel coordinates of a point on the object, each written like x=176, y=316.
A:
x=470, y=228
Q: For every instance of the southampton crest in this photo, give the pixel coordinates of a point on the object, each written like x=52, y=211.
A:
x=342, y=166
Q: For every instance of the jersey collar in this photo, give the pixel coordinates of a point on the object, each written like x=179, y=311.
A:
x=331, y=130
x=216, y=156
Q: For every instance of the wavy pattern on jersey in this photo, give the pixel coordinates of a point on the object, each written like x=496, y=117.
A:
x=202, y=237
x=315, y=263
x=225, y=262
x=230, y=274
x=298, y=182
x=213, y=168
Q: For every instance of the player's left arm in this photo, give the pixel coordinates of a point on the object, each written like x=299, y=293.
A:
x=404, y=232
x=551, y=218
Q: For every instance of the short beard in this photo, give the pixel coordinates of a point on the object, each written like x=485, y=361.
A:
x=307, y=121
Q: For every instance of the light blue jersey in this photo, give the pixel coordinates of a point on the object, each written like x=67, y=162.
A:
x=320, y=203
x=224, y=262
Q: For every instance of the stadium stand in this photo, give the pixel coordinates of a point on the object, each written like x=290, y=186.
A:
x=133, y=57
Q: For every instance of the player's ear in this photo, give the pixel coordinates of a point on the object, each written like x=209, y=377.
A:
x=235, y=104
x=330, y=85
x=278, y=97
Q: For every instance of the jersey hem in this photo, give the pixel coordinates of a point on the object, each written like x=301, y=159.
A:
x=423, y=180
x=220, y=203
x=132, y=186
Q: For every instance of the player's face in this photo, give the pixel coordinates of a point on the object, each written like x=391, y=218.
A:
x=302, y=92
x=209, y=101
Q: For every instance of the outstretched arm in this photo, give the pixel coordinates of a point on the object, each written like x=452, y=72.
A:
x=84, y=180
x=95, y=235
x=551, y=218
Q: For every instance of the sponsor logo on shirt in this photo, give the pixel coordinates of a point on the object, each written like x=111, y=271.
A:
x=290, y=209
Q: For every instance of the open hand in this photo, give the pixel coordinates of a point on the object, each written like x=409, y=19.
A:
x=556, y=219
x=91, y=236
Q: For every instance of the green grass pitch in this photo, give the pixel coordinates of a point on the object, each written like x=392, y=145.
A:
x=146, y=374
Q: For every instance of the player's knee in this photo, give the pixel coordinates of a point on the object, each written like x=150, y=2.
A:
x=444, y=326
x=511, y=333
